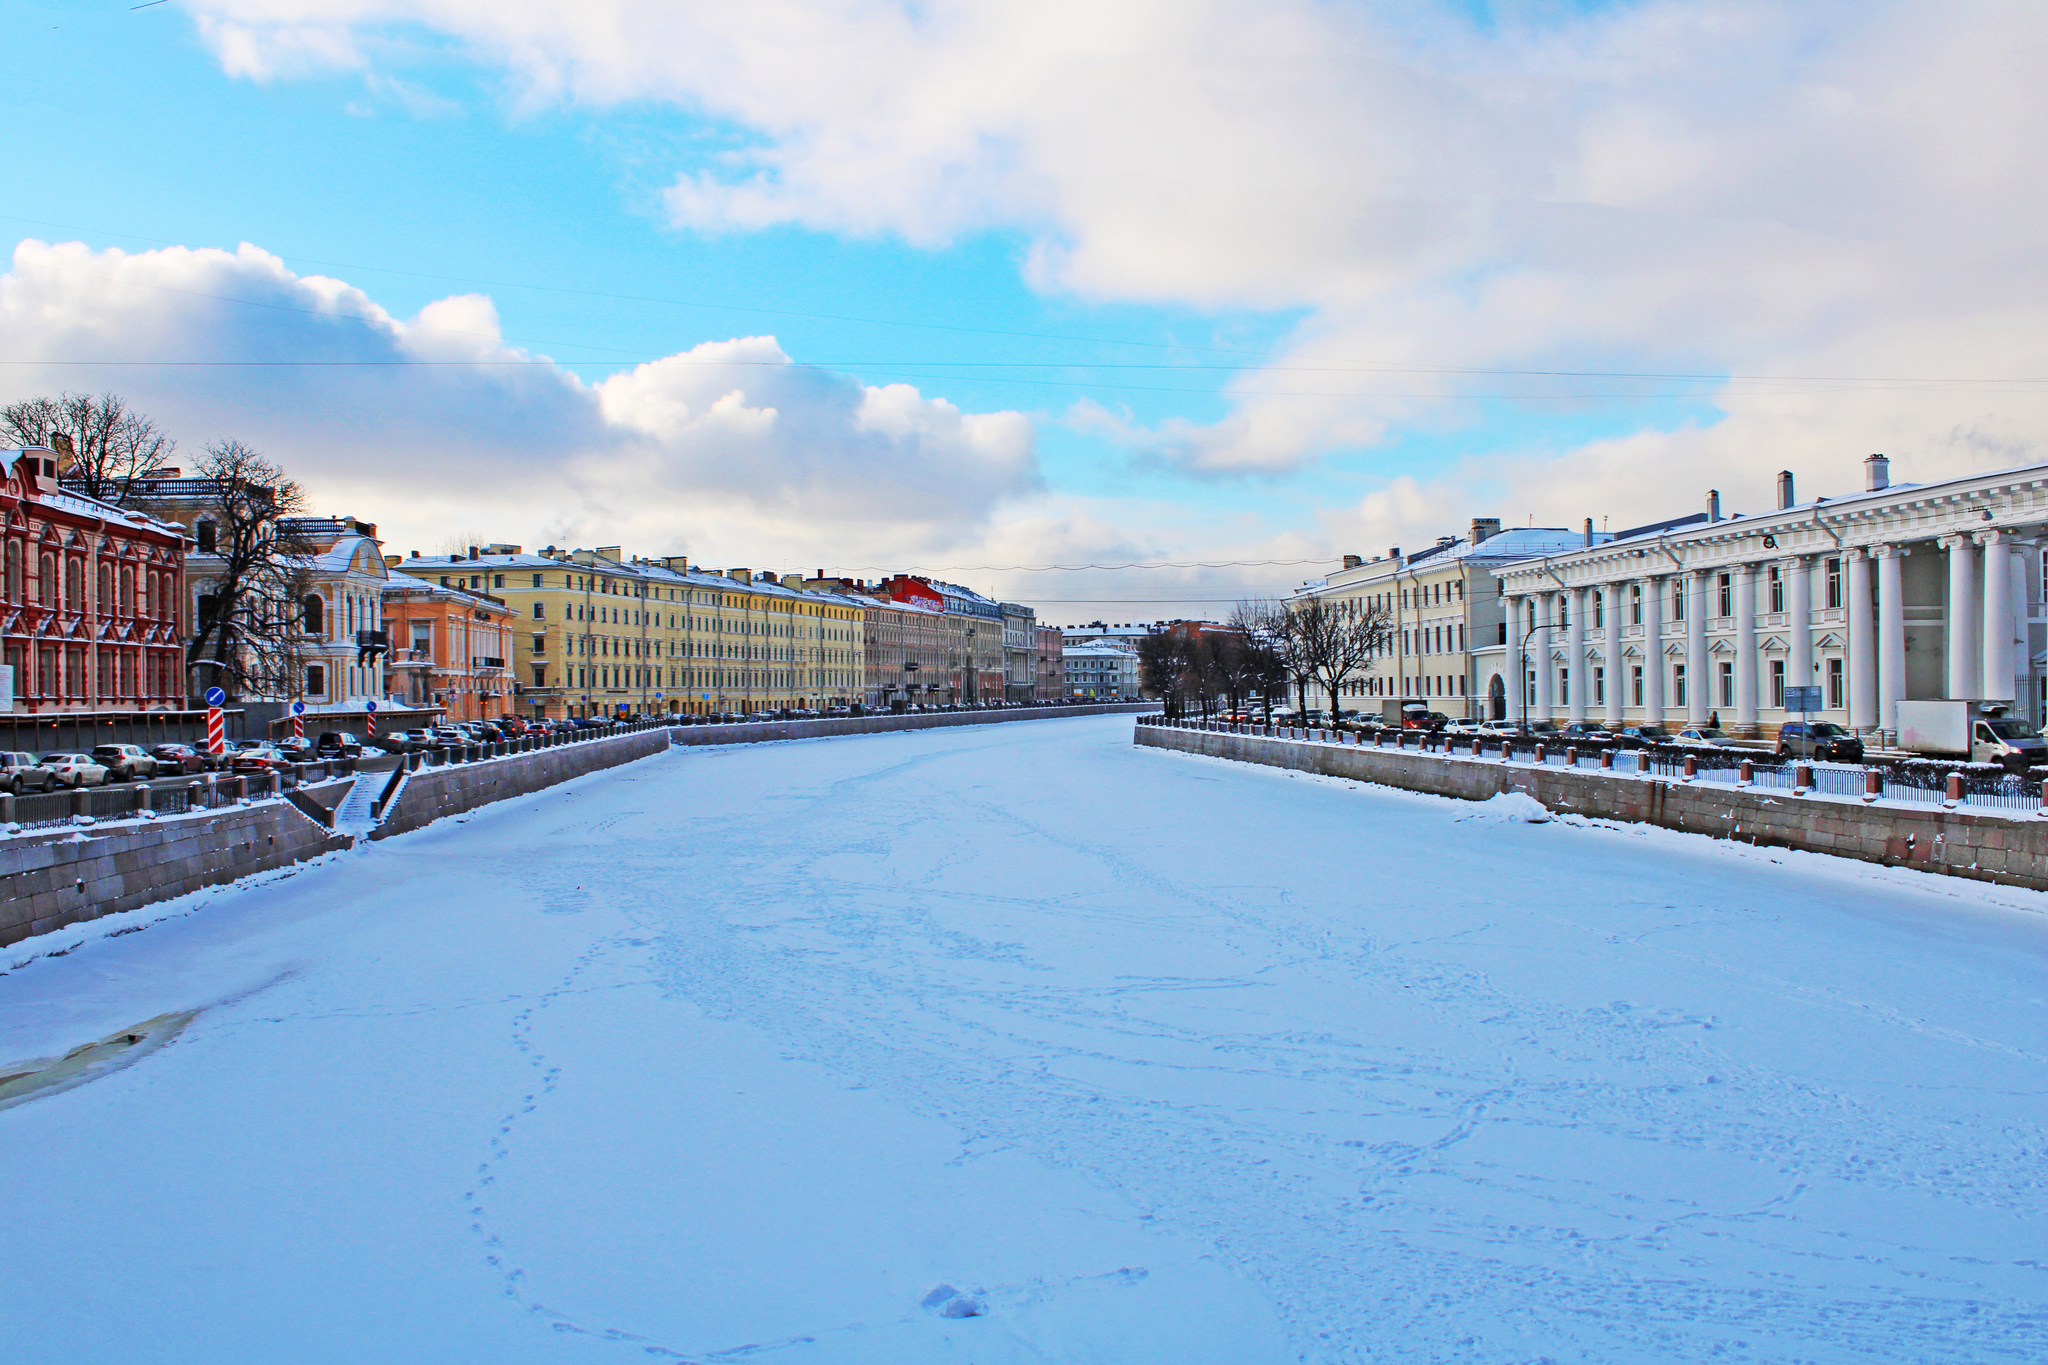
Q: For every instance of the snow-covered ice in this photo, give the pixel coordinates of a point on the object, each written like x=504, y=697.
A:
x=1017, y=1043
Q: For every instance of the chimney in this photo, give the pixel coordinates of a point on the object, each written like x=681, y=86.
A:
x=1589, y=533
x=1713, y=504
x=1785, y=498
x=1352, y=561
x=1877, y=474
x=1394, y=553
x=1484, y=528
x=472, y=552
x=415, y=554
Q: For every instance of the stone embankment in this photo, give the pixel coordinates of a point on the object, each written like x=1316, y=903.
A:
x=759, y=732
x=1997, y=846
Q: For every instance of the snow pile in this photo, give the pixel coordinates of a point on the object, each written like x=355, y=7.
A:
x=1509, y=808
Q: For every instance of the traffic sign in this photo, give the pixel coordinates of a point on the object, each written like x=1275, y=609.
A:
x=1802, y=699
x=298, y=708
x=215, y=696
x=370, y=718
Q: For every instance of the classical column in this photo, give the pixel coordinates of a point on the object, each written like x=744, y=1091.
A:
x=1653, y=651
x=1698, y=668
x=1745, y=646
x=1963, y=646
x=1581, y=679
x=1862, y=628
x=1996, y=682
x=1539, y=652
x=1617, y=593
x=1891, y=634
x=1513, y=666
x=1798, y=623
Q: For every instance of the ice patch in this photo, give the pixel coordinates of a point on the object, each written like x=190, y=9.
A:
x=1509, y=808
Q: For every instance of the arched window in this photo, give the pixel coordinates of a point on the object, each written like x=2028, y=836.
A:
x=106, y=602
x=14, y=583
x=316, y=614
x=127, y=592
x=47, y=588
x=74, y=583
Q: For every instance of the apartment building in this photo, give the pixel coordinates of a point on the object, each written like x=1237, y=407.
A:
x=450, y=647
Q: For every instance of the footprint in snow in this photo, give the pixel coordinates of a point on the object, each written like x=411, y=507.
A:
x=949, y=1302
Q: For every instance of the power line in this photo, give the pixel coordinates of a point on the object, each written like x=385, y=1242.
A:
x=1078, y=568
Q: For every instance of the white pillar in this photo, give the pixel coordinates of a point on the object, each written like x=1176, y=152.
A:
x=1539, y=655
x=1617, y=596
x=1964, y=648
x=1698, y=668
x=1996, y=682
x=1745, y=645
x=1653, y=651
x=1514, y=666
x=1862, y=628
x=1798, y=623
x=1581, y=679
x=1891, y=634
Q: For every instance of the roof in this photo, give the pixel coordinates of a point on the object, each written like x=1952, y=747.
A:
x=401, y=583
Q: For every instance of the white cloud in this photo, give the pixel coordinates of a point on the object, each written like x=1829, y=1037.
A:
x=431, y=422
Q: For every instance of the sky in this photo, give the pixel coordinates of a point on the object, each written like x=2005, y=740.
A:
x=973, y=288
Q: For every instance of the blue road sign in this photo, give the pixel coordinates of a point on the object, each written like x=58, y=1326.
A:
x=298, y=708
x=215, y=696
x=369, y=706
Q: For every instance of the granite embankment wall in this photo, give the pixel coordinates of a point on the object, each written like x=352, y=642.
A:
x=1997, y=848
x=51, y=878
x=759, y=732
x=432, y=793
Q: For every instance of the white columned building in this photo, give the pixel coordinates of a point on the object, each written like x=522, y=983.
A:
x=1894, y=592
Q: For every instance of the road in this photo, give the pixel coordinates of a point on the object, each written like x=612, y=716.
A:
x=1017, y=1043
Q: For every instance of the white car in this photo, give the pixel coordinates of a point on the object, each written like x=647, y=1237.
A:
x=75, y=770
x=1499, y=727
x=1467, y=727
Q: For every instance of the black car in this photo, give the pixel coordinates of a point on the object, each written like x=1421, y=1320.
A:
x=1644, y=736
x=23, y=772
x=1585, y=730
x=338, y=744
x=1820, y=739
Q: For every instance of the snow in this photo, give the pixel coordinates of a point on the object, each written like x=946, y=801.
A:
x=1018, y=1043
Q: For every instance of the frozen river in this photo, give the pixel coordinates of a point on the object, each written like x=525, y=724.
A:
x=1018, y=1044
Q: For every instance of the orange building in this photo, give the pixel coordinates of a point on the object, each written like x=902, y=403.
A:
x=449, y=647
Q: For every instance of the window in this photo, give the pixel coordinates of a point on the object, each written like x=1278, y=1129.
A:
x=1678, y=684
x=1599, y=685
x=1635, y=604
x=1834, y=579
x=1564, y=686
x=1727, y=677
x=106, y=597
x=1776, y=578
x=1834, y=674
x=316, y=614
x=498, y=581
x=536, y=580
x=540, y=644
x=1724, y=585
x=207, y=537
x=1678, y=599
x=540, y=611
x=1778, y=683
x=14, y=585
x=1635, y=684
x=316, y=680
x=540, y=675
x=1600, y=608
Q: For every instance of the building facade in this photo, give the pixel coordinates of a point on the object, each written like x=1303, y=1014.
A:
x=1897, y=592
x=1100, y=670
x=450, y=648
x=975, y=669
x=1445, y=610
x=1050, y=671
x=1020, y=652
x=344, y=647
x=95, y=599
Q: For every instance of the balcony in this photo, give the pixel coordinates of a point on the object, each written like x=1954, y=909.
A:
x=486, y=662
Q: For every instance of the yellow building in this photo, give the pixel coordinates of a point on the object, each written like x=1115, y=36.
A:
x=599, y=633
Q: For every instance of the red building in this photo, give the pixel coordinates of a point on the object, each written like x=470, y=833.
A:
x=92, y=596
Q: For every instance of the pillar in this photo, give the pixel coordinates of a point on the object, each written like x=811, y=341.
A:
x=1511, y=662
x=1653, y=651
x=1539, y=655
x=1861, y=621
x=1616, y=666
x=1699, y=667
x=1745, y=646
x=1964, y=647
x=1891, y=634
x=1799, y=622
x=1581, y=680
x=1995, y=684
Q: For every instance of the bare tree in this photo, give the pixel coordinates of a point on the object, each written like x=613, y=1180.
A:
x=1166, y=665
x=249, y=635
x=1348, y=635
x=107, y=447
x=1261, y=664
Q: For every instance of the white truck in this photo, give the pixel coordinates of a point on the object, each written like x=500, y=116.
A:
x=1975, y=731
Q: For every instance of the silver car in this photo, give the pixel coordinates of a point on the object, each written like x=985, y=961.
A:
x=75, y=769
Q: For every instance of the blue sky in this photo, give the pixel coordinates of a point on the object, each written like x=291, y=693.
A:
x=1141, y=282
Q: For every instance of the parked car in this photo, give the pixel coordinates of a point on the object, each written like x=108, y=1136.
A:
x=75, y=769
x=1643, y=736
x=1708, y=736
x=259, y=760
x=24, y=772
x=297, y=747
x=1500, y=728
x=1543, y=729
x=124, y=762
x=1820, y=739
x=1468, y=728
x=179, y=758
x=1586, y=729
x=338, y=744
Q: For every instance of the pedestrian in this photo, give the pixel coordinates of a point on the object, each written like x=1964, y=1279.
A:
x=1714, y=720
